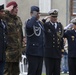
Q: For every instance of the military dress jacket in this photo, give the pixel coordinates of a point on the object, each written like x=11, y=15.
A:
x=14, y=37
x=35, y=37
x=71, y=37
x=3, y=40
x=53, y=40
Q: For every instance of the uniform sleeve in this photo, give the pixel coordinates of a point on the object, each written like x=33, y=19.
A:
x=31, y=22
x=43, y=21
x=66, y=34
x=21, y=31
x=69, y=26
x=62, y=45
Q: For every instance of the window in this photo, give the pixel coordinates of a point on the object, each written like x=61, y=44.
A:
x=73, y=7
x=45, y=6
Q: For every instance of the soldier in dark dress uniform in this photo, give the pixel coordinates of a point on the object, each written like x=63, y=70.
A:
x=53, y=44
x=35, y=43
x=3, y=41
x=71, y=37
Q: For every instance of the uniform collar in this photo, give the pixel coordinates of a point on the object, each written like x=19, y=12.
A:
x=51, y=22
x=75, y=30
x=54, y=24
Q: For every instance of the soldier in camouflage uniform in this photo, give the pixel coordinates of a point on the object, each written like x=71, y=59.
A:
x=14, y=28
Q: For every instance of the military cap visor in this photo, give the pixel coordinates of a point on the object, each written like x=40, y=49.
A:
x=53, y=12
x=1, y=7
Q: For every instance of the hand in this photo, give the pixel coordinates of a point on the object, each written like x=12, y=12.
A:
x=9, y=8
x=62, y=55
x=24, y=42
x=46, y=17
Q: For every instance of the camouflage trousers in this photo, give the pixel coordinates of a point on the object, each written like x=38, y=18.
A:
x=11, y=68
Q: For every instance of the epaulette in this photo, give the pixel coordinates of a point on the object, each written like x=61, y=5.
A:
x=27, y=21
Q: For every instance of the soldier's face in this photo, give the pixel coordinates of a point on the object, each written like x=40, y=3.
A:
x=37, y=14
x=74, y=26
x=53, y=18
x=2, y=14
x=14, y=11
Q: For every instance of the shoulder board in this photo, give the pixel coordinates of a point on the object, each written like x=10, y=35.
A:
x=27, y=21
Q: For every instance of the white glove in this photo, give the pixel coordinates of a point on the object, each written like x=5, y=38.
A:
x=68, y=26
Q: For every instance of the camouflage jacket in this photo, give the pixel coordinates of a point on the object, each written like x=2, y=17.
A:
x=14, y=37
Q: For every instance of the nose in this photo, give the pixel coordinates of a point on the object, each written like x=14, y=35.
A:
x=17, y=9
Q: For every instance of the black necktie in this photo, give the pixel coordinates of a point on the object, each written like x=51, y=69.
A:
x=54, y=25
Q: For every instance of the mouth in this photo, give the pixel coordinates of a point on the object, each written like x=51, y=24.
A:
x=16, y=12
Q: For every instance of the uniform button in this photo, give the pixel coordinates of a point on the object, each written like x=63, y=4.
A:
x=53, y=38
x=4, y=41
x=58, y=39
x=53, y=35
x=33, y=44
x=58, y=46
x=53, y=42
x=53, y=46
x=58, y=42
x=60, y=31
x=4, y=33
x=4, y=37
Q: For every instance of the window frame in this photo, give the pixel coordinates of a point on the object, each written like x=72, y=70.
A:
x=43, y=8
x=72, y=7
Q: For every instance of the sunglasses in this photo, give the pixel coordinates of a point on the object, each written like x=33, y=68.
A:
x=54, y=16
